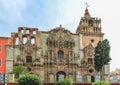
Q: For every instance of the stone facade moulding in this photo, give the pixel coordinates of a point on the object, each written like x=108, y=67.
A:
x=57, y=53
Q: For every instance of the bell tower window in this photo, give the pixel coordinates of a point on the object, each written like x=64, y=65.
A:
x=60, y=54
x=90, y=23
x=92, y=40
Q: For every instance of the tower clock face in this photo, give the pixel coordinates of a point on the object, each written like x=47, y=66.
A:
x=90, y=23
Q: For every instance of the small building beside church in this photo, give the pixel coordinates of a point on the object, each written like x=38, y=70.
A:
x=3, y=42
x=58, y=53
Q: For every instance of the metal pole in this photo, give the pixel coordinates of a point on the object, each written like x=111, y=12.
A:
x=0, y=77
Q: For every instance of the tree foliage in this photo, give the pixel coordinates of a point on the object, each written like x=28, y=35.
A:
x=102, y=54
x=65, y=81
x=20, y=70
x=100, y=83
x=30, y=79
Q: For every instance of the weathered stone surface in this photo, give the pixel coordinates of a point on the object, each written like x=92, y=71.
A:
x=57, y=53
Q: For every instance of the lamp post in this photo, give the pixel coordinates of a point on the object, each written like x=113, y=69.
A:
x=0, y=77
x=5, y=79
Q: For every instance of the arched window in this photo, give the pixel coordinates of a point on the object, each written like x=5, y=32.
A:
x=90, y=61
x=25, y=40
x=60, y=75
x=34, y=32
x=27, y=31
x=90, y=23
x=17, y=41
x=33, y=41
x=22, y=31
x=60, y=54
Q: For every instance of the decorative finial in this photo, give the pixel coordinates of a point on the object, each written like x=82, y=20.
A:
x=86, y=11
x=60, y=26
x=86, y=5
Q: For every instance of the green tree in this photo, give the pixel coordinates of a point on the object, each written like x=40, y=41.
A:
x=30, y=79
x=65, y=81
x=100, y=83
x=102, y=55
x=20, y=70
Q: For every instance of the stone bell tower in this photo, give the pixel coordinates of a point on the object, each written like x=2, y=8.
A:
x=89, y=30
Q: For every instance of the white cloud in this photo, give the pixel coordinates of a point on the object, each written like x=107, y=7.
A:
x=69, y=13
x=108, y=11
x=11, y=15
x=12, y=10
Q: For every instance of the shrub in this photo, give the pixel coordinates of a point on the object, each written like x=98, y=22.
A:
x=100, y=83
x=30, y=79
x=20, y=70
x=65, y=81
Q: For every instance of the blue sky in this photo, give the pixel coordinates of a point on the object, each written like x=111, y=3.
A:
x=48, y=14
x=44, y=14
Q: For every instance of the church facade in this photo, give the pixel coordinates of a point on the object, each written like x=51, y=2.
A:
x=57, y=53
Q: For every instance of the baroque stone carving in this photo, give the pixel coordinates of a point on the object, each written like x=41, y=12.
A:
x=61, y=38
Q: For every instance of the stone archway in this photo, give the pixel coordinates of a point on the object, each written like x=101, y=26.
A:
x=60, y=75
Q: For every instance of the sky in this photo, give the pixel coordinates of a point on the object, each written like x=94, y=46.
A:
x=48, y=14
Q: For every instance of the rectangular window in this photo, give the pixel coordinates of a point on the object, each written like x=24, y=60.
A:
x=0, y=48
x=29, y=59
x=0, y=62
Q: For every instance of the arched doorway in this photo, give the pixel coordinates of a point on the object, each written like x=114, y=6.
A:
x=92, y=79
x=60, y=75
